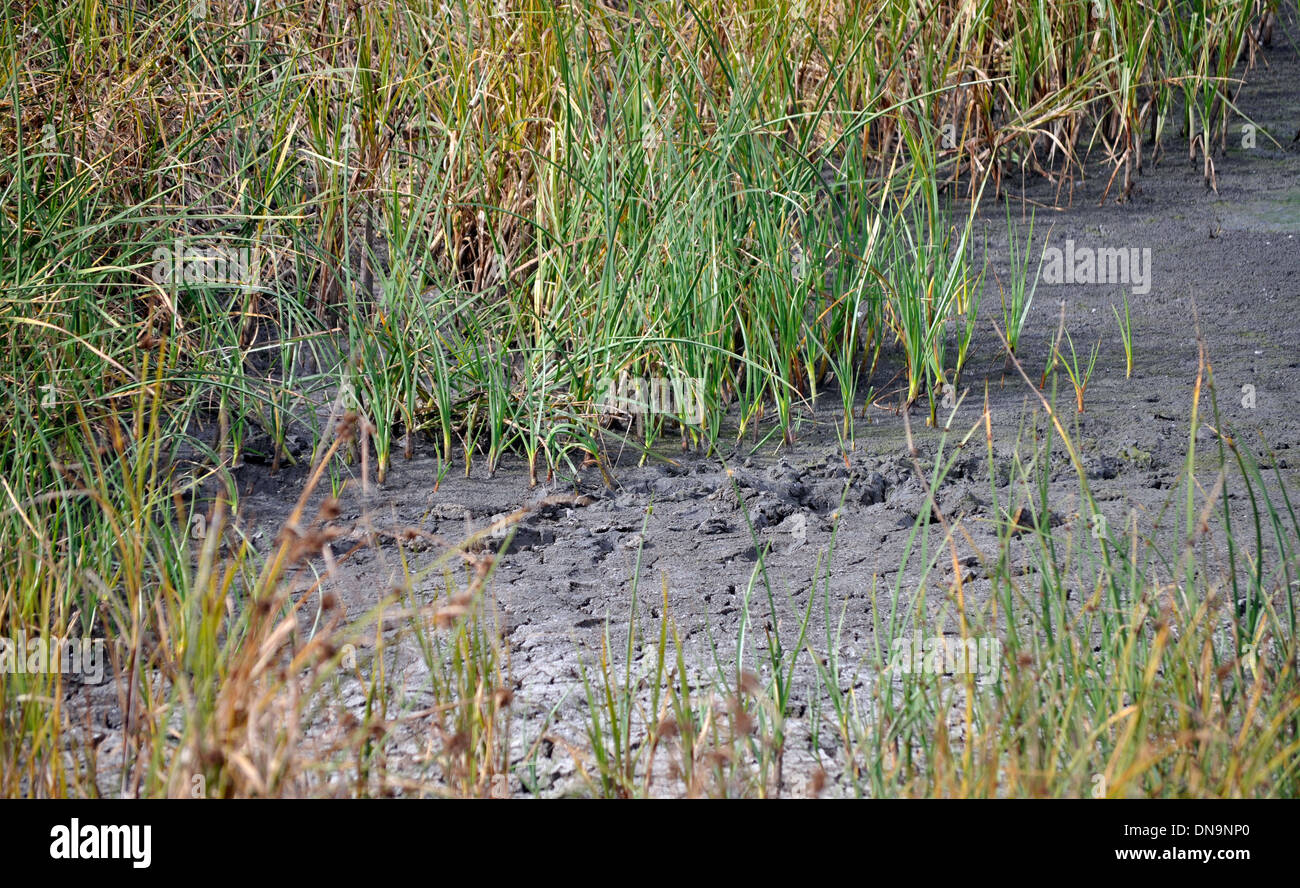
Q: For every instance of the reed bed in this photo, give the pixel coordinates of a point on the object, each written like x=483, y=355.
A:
x=228, y=224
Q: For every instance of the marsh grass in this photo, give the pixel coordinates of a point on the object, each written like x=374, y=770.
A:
x=462, y=217
x=488, y=208
x=1079, y=373
x=1125, y=323
x=1018, y=291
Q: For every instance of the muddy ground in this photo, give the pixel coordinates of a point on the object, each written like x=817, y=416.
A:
x=1228, y=261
